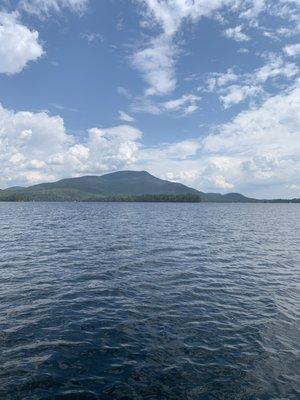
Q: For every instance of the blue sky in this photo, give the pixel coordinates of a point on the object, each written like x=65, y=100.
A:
x=205, y=93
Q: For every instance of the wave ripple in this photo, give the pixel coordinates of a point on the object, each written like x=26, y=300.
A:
x=149, y=301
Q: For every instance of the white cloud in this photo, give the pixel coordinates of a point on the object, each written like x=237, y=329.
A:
x=262, y=144
x=274, y=67
x=236, y=34
x=217, y=80
x=287, y=10
x=188, y=103
x=258, y=153
x=255, y=8
x=112, y=148
x=235, y=94
x=32, y=133
x=123, y=116
x=43, y=8
x=289, y=32
x=170, y=14
x=18, y=44
x=27, y=140
x=251, y=85
x=183, y=106
x=35, y=147
x=156, y=62
x=272, y=128
x=179, y=151
x=292, y=50
x=156, y=59
x=220, y=182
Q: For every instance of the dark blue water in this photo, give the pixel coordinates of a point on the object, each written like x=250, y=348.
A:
x=149, y=301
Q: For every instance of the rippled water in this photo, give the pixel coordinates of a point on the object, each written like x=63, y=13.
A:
x=149, y=301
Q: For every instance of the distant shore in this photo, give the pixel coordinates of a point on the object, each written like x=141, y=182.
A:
x=123, y=186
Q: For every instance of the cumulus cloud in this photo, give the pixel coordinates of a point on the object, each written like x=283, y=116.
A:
x=18, y=44
x=262, y=144
x=257, y=153
x=36, y=147
x=44, y=8
x=27, y=143
x=220, y=182
x=112, y=148
x=273, y=127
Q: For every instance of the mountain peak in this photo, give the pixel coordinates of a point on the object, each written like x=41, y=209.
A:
x=114, y=184
x=128, y=173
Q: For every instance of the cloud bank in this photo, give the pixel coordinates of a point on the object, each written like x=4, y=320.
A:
x=259, y=150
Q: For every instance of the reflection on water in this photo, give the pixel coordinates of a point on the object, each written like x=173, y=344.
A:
x=149, y=301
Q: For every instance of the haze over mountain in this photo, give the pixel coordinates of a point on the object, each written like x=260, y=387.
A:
x=122, y=185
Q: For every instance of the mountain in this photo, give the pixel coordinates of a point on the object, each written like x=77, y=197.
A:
x=15, y=188
x=117, y=186
x=227, y=198
x=130, y=183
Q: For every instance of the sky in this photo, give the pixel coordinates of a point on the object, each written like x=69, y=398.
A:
x=206, y=93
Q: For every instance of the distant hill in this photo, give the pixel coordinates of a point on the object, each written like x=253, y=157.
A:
x=227, y=198
x=15, y=188
x=119, y=183
x=117, y=186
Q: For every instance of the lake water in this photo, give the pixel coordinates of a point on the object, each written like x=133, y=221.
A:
x=149, y=301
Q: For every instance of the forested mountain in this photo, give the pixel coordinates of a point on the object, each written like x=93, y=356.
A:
x=117, y=186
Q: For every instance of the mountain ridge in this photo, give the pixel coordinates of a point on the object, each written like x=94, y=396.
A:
x=119, y=186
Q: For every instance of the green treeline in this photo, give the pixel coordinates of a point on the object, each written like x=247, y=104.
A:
x=155, y=198
x=75, y=195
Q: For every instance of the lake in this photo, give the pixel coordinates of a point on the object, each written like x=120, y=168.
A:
x=149, y=301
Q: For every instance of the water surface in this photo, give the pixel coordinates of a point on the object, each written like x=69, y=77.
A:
x=149, y=301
